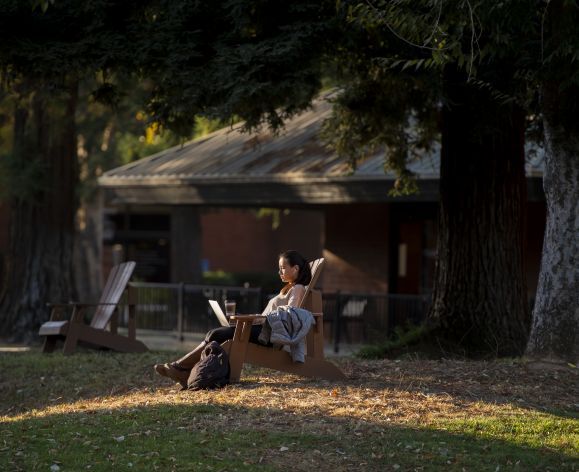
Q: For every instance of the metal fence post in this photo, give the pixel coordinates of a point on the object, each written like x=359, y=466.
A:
x=180, y=310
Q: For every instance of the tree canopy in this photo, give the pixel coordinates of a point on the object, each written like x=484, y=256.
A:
x=404, y=70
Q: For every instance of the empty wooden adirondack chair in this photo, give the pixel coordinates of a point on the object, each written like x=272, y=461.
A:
x=241, y=350
x=75, y=330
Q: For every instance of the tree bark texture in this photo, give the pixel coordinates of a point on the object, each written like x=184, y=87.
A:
x=554, y=332
x=39, y=261
x=87, y=254
x=480, y=298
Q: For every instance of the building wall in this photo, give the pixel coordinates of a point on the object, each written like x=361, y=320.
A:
x=185, y=244
x=141, y=234
x=236, y=240
x=409, y=258
x=361, y=244
x=413, y=228
x=356, y=248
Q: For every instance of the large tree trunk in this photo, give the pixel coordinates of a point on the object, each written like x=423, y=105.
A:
x=87, y=254
x=480, y=299
x=39, y=262
x=554, y=333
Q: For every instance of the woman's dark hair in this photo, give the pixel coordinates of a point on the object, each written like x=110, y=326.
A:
x=295, y=258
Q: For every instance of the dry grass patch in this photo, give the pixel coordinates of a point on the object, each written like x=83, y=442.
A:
x=71, y=413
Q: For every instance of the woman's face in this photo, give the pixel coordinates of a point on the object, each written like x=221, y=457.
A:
x=288, y=273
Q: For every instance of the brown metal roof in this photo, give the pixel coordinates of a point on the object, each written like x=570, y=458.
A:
x=296, y=157
x=296, y=153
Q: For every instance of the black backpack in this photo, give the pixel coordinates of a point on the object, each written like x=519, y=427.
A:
x=212, y=371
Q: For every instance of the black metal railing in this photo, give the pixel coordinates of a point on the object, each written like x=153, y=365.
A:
x=357, y=318
x=349, y=318
x=185, y=307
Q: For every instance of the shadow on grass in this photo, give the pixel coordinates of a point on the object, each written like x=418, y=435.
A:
x=505, y=382
x=34, y=380
x=223, y=437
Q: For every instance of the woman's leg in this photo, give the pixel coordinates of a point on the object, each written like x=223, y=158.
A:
x=220, y=335
x=191, y=358
x=175, y=373
x=180, y=369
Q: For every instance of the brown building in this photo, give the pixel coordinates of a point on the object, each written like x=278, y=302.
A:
x=194, y=207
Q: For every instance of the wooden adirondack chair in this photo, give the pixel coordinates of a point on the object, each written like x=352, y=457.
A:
x=75, y=330
x=241, y=350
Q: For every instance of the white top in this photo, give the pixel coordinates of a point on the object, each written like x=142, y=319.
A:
x=292, y=297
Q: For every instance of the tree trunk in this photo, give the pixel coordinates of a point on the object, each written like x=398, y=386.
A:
x=39, y=261
x=554, y=333
x=479, y=299
x=87, y=254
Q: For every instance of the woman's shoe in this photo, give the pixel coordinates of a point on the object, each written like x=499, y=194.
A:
x=174, y=372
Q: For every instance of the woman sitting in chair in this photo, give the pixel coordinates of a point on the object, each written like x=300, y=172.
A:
x=294, y=270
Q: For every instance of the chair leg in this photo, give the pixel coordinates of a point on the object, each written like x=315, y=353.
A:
x=49, y=344
x=70, y=342
x=237, y=350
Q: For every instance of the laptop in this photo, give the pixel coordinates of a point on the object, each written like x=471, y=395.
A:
x=223, y=321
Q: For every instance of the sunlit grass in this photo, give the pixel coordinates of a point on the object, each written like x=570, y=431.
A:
x=528, y=429
x=104, y=411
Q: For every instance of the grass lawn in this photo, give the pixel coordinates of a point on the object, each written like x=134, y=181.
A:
x=106, y=411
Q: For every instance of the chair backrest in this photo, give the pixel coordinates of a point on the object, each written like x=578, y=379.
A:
x=115, y=286
x=354, y=308
x=316, y=267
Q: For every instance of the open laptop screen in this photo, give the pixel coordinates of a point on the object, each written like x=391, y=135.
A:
x=219, y=313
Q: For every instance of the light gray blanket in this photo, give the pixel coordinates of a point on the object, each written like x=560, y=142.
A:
x=288, y=325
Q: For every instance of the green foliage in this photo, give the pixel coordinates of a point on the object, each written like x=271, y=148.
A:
x=21, y=180
x=392, y=64
x=274, y=213
x=218, y=277
x=117, y=130
x=240, y=60
x=263, y=62
x=403, y=338
x=383, y=104
x=43, y=4
x=186, y=67
x=34, y=117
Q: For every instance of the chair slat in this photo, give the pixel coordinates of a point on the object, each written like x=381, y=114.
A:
x=316, y=269
x=114, y=288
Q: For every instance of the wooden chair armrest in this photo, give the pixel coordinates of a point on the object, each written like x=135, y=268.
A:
x=242, y=319
x=58, y=312
x=77, y=314
x=60, y=305
x=245, y=317
x=253, y=317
